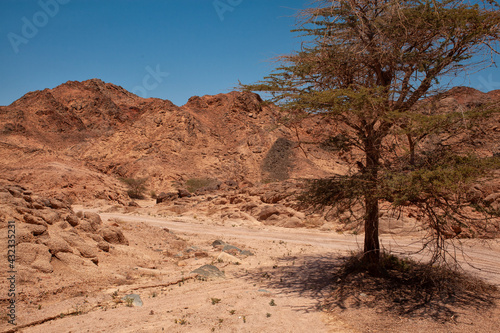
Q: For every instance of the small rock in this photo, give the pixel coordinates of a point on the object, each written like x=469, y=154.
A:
x=231, y=248
x=225, y=257
x=218, y=242
x=200, y=254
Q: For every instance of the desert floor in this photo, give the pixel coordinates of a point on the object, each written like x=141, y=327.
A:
x=285, y=286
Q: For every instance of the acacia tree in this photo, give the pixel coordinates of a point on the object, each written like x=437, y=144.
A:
x=368, y=64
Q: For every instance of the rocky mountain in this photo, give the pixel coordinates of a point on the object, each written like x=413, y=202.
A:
x=75, y=141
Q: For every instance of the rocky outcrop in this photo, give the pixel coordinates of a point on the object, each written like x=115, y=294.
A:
x=48, y=230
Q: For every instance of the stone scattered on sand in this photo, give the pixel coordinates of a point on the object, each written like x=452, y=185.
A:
x=209, y=271
x=218, y=242
x=226, y=257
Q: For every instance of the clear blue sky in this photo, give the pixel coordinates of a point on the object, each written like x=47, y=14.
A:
x=205, y=46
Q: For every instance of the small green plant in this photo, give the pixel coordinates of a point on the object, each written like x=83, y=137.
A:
x=272, y=303
x=232, y=312
x=182, y=321
x=268, y=315
x=215, y=300
x=136, y=187
x=114, y=294
x=129, y=301
x=39, y=306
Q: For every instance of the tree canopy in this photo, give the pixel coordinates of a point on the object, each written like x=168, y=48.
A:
x=369, y=64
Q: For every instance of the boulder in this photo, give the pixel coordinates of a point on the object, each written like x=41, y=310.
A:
x=166, y=197
x=266, y=212
x=57, y=244
x=35, y=255
x=94, y=220
x=28, y=218
x=103, y=246
x=36, y=230
x=293, y=222
x=48, y=216
x=182, y=193
x=57, y=204
x=113, y=235
x=73, y=220
x=209, y=271
x=86, y=250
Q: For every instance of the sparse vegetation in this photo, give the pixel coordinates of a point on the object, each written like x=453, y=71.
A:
x=215, y=300
x=129, y=301
x=136, y=187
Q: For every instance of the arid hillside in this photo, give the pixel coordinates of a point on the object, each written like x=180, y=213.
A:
x=75, y=141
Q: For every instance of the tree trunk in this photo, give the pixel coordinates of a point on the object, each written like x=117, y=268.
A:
x=371, y=254
x=411, y=144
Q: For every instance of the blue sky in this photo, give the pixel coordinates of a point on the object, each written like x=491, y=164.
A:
x=171, y=49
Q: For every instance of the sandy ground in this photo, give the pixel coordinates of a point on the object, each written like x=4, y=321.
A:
x=270, y=291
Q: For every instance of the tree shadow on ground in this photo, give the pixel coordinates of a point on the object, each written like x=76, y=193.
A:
x=402, y=287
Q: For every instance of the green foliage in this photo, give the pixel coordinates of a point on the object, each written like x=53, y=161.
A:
x=215, y=300
x=440, y=175
x=371, y=66
x=337, y=143
x=136, y=187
